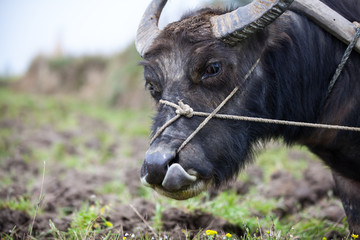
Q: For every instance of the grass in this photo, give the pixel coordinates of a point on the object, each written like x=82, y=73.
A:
x=117, y=188
x=22, y=203
x=252, y=211
x=277, y=158
x=63, y=112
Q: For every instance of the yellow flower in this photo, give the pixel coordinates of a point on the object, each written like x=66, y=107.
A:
x=109, y=224
x=102, y=211
x=354, y=236
x=211, y=232
x=228, y=235
x=124, y=238
x=324, y=238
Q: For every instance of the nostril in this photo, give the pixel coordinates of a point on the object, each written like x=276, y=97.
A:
x=156, y=164
x=172, y=161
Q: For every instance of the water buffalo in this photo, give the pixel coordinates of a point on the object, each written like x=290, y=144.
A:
x=200, y=59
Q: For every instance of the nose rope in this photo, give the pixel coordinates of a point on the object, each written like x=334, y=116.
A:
x=207, y=119
x=185, y=110
x=181, y=110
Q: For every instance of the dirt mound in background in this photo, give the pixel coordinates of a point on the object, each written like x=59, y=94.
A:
x=115, y=80
x=316, y=183
x=180, y=224
x=12, y=220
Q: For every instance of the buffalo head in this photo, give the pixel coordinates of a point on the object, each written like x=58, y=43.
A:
x=199, y=60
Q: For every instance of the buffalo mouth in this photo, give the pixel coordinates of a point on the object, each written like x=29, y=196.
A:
x=179, y=184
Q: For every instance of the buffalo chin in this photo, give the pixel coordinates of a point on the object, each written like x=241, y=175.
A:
x=190, y=191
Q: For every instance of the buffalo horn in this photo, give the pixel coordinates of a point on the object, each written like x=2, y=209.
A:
x=230, y=27
x=239, y=24
x=148, y=29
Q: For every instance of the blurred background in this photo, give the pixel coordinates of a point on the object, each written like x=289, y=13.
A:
x=74, y=128
x=83, y=47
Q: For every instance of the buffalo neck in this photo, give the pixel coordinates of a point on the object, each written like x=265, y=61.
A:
x=297, y=64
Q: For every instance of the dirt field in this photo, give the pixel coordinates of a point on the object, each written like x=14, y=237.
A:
x=91, y=168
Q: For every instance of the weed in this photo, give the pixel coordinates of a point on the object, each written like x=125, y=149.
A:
x=39, y=200
x=21, y=203
x=10, y=235
x=89, y=221
x=55, y=232
x=157, y=219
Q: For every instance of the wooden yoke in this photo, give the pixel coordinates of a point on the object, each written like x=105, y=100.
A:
x=329, y=20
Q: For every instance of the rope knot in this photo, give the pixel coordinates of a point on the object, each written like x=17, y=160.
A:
x=184, y=110
x=356, y=24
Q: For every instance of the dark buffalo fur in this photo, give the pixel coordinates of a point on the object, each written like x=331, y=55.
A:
x=298, y=59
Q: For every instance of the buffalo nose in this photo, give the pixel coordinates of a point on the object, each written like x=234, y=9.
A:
x=156, y=164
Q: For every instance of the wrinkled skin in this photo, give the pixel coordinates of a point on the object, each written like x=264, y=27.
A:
x=187, y=63
x=185, y=81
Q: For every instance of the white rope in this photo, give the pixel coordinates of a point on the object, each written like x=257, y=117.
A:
x=185, y=110
x=207, y=119
x=268, y=120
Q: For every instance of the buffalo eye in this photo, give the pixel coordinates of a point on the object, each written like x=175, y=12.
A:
x=212, y=70
x=153, y=89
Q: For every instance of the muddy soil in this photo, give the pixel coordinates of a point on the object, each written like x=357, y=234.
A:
x=66, y=189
